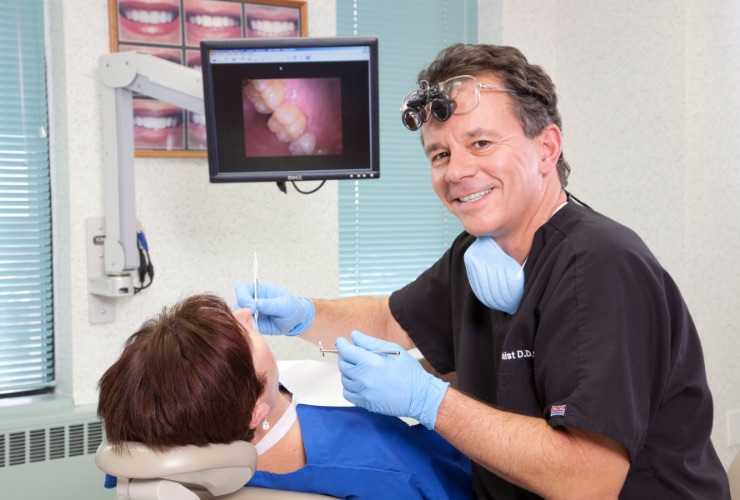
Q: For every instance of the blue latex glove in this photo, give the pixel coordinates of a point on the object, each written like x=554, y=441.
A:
x=280, y=312
x=388, y=384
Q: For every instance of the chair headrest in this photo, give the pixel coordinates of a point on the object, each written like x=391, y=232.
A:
x=220, y=468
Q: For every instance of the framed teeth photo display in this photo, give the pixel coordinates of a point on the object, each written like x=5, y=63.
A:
x=172, y=30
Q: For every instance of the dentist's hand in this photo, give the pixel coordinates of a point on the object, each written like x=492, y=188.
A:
x=280, y=312
x=387, y=384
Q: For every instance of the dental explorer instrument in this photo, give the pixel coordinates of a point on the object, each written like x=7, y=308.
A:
x=323, y=351
x=256, y=287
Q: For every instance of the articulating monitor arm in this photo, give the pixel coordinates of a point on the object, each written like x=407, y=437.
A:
x=122, y=74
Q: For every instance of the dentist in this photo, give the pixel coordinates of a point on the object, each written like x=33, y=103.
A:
x=579, y=370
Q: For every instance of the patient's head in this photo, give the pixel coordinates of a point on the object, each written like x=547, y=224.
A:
x=187, y=376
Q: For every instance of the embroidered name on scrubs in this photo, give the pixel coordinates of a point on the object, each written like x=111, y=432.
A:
x=518, y=354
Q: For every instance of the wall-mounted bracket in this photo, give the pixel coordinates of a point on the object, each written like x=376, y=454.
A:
x=103, y=289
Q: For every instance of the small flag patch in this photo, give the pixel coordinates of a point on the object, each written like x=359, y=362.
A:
x=557, y=411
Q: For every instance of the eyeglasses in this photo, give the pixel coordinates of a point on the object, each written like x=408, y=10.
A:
x=457, y=95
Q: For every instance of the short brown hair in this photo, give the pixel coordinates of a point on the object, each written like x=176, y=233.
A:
x=534, y=98
x=186, y=377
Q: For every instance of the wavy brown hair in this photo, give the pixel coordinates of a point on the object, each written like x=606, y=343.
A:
x=186, y=377
x=534, y=98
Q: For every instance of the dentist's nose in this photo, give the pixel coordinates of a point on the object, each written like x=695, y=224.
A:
x=460, y=166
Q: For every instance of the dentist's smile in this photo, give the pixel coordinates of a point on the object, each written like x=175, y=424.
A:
x=474, y=196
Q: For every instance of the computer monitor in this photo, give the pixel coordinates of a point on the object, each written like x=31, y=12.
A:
x=287, y=109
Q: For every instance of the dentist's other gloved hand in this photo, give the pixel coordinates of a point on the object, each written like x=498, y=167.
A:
x=388, y=384
x=280, y=312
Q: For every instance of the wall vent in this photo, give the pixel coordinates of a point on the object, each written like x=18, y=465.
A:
x=38, y=444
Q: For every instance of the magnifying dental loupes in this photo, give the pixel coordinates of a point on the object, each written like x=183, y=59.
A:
x=419, y=104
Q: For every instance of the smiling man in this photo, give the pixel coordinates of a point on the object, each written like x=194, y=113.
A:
x=579, y=370
x=493, y=177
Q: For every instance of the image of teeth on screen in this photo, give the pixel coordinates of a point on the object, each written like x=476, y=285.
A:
x=296, y=116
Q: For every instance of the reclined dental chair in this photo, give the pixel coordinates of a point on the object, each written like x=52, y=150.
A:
x=188, y=473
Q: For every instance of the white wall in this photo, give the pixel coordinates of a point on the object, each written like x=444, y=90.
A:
x=202, y=236
x=650, y=98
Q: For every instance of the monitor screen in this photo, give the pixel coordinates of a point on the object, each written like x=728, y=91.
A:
x=286, y=109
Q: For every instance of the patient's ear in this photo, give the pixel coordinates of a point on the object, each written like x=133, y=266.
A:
x=244, y=316
x=258, y=414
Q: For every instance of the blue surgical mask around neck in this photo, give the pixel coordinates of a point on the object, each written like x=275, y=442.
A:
x=496, y=278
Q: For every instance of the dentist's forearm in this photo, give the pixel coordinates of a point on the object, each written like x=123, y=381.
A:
x=527, y=451
x=370, y=315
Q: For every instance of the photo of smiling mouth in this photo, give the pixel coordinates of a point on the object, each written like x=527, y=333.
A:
x=158, y=122
x=263, y=21
x=205, y=20
x=149, y=16
x=141, y=19
x=213, y=21
x=267, y=28
x=157, y=125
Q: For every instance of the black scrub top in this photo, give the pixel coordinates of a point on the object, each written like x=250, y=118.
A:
x=602, y=341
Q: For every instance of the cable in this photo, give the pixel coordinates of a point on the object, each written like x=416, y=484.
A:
x=281, y=186
x=570, y=195
x=146, y=268
x=308, y=192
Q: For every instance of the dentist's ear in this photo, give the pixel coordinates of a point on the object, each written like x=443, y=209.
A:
x=551, y=144
x=258, y=414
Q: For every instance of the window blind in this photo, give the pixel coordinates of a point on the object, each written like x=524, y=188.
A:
x=392, y=228
x=26, y=322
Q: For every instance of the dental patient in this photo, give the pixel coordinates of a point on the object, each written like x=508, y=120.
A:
x=198, y=374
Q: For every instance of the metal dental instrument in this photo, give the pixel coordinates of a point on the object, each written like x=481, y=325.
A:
x=256, y=288
x=324, y=351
